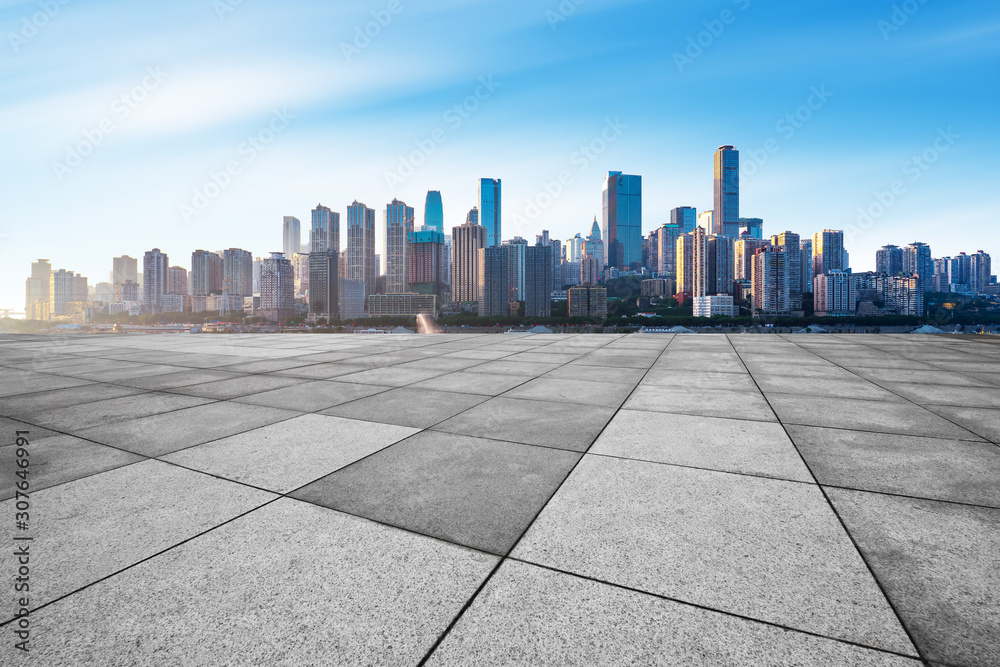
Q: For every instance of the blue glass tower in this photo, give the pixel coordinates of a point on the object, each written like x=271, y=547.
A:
x=622, y=228
x=434, y=211
x=489, y=209
x=727, y=193
x=686, y=217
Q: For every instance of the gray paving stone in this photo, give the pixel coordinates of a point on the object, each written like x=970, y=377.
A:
x=485, y=384
x=939, y=564
x=289, y=584
x=583, y=392
x=519, y=368
x=321, y=371
x=475, y=492
x=282, y=457
x=420, y=408
x=861, y=415
x=703, y=402
x=954, y=470
x=756, y=448
x=984, y=422
x=57, y=459
x=60, y=398
x=695, y=380
x=629, y=376
x=560, y=425
x=528, y=615
x=312, y=396
x=766, y=549
x=859, y=389
x=239, y=386
x=924, y=376
x=937, y=394
x=10, y=427
x=394, y=376
x=182, y=378
x=76, y=418
x=164, y=433
x=93, y=527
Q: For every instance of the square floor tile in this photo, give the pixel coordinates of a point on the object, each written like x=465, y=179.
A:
x=393, y=376
x=312, y=396
x=31, y=403
x=420, y=408
x=77, y=418
x=984, y=422
x=238, y=386
x=704, y=402
x=601, y=394
x=480, y=493
x=486, y=384
x=629, y=376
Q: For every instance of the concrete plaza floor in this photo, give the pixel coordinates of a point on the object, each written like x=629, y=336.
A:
x=506, y=499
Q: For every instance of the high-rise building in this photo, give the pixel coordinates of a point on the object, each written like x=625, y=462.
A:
x=467, y=241
x=594, y=245
x=291, y=236
x=589, y=273
x=726, y=200
x=177, y=280
x=447, y=261
x=699, y=263
x=960, y=270
x=905, y=295
x=425, y=264
x=651, y=250
x=556, y=245
x=490, y=209
x=398, y=227
x=622, y=221
x=917, y=260
x=828, y=251
x=206, y=273
x=473, y=216
x=38, y=291
x=154, y=280
x=743, y=252
x=575, y=248
x=300, y=269
x=685, y=217
x=685, y=255
x=277, y=287
x=889, y=260
x=719, y=265
x=706, y=220
x=496, y=287
x=325, y=233
x=237, y=273
x=666, y=255
x=352, y=299
x=980, y=272
x=124, y=268
x=361, y=264
x=588, y=301
x=753, y=227
x=538, y=280
x=793, y=258
x=835, y=293
x=807, y=265
x=518, y=247
x=324, y=284
x=434, y=211
x=770, y=282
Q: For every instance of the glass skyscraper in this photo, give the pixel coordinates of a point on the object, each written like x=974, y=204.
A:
x=325, y=230
x=434, y=212
x=727, y=193
x=686, y=217
x=398, y=227
x=622, y=228
x=489, y=210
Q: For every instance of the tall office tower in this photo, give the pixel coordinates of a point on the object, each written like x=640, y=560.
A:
x=905, y=295
x=361, y=264
x=828, y=251
x=685, y=263
x=496, y=291
x=706, y=220
x=699, y=263
x=743, y=252
x=917, y=261
x=206, y=273
x=589, y=274
x=38, y=292
x=237, y=273
x=538, y=280
x=325, y=233
x=154, y=280
x=980, y=272
x=556, y=245
x=685, y=217
x=516, y=258
x=726, y=202
x=425, y=264
x=447, y=261
x=467, y=240
x=666, y=238
x=300, y=269
x=807, y=265
x=835, y=293
x=622, y=221
x=754, y=227
x=651, y=251
x=124, y=268
x=398, y=227
x=889, y=260
x=473, y=216
x=594, y=245
x=434, y=211
x=793, y=263
x=177, y=280
x=489, y=209
x=291, y=236
x=277, y=288
x=770, y=281
x=324, y=284
x=719, y=265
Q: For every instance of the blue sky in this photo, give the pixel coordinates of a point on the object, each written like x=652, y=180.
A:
x=161, y=97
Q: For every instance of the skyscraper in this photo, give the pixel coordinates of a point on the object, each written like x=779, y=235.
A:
x=828, y=251
x=467, y=240
x=889, y=260
x=981, y=270
x=538, y=280
x=176, y=280
x=516, y=258
x=277, y=285
x=398, y=227
x=325, y=233
x=752, y=226
x=666, y=238
x=434, y=212
x=622, y=221
x=685, y=217
x=124, y=268
x=496, y=290
x=237, y=274
x=807, y=265
x=699, y=263
x=726, y=202
x=206, y=273
x=425, y=264
x=473, y=216
x=770, y=282
x=154, y=285
x=793, y=264
x=291, y=236
x=685, y=255
x=706, y=220
x=719, y=265
x=38, y=292
x=324, y=284
x=743, y=253
x=836, y=293
x=490, y=209
x=361, y=265
x=917, y=260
